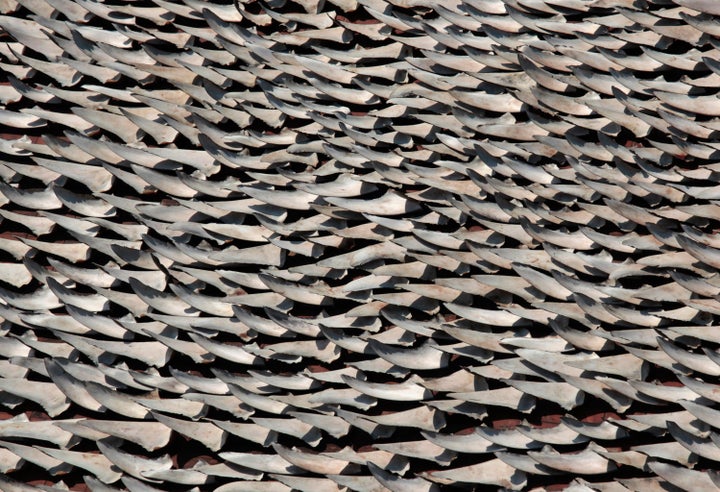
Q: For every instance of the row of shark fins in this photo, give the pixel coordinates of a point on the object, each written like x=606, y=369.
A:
x=359, y=245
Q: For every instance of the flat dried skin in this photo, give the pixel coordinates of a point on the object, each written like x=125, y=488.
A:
x=359, y=244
